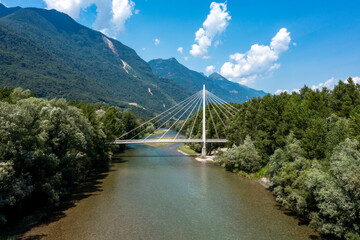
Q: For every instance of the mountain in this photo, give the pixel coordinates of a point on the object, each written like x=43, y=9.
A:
x=235, y=88
x=193, y=81
x=52, y=55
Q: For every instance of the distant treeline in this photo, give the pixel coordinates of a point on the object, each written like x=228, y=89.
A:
x=307, y=144
x=48, y=146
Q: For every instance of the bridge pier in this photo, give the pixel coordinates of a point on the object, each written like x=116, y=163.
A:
x=203, y=152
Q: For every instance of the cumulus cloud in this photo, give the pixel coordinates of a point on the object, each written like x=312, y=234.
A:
x=180, y=49
x=111, y=14
x=186, y=58
x=156, y=41
x=328, y=84
x=214, y=25
x=279, y=91
x=259, y=61
x=210, y=69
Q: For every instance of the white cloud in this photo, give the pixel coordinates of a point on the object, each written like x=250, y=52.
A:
x=111, y=14
x=180, y=49
x=279, y=91
x=210, y=69
x=328, y=84
x=206, y=57
x=355, y=79
x=156, y=41
x=294, y=43
x=137, y=11
x=280, y=42
x=214, y=25
x=186, y=58
x=259, y=61
x=143, y=49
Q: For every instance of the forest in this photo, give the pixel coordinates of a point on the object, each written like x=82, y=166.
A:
x=307, y=145
x=49, y=146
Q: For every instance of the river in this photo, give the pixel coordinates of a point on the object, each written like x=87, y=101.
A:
x=158, y=193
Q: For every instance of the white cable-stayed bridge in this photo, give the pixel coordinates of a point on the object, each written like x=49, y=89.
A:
x=184, y=110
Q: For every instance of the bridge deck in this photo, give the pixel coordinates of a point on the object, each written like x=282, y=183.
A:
x=178, y=140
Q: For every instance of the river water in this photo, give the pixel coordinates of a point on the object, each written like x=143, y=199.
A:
x=158, y=193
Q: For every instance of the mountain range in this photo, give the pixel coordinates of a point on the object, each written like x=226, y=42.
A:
x=192, y=80
x=52, y=55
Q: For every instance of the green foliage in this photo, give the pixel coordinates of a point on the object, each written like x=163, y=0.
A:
x=47, y=146
x=336, y=193
x=244, y=157
x=287, y=170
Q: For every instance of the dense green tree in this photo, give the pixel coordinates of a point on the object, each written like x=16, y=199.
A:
x=337, y=193
x=243, y=157
x=47, y=146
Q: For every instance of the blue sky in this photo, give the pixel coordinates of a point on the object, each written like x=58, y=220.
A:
x=268, y=45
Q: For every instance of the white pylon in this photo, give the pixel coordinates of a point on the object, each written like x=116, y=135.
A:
x=203, y=150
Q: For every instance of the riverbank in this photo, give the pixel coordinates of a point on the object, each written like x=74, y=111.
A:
x=187, y=151
x=258, y=176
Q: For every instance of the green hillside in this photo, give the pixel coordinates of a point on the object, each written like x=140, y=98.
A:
x=49, y=53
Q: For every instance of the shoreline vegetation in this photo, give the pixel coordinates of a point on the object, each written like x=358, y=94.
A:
x=306, y=143
x=49, y=147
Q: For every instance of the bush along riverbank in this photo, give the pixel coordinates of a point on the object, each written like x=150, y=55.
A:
x=49, y=146
x=307, y=144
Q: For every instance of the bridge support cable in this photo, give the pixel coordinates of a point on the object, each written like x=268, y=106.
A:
x=212, y=120
x=197, y=113
x=221, y=105
x=187, y=118
x=175, y=106
x=225, y=103
x=194, y=103
x=218, y=116
x=217, y=105
x=234, y=109
x=173, y=116
x=179, y=115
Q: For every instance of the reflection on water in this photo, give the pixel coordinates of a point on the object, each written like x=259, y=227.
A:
x=157, y=193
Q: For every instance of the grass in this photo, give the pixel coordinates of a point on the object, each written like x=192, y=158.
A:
x=256, y=175
x=186, y=149
x=158, y=132
x=159, y=144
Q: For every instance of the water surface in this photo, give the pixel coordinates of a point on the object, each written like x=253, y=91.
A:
x=158, y=193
